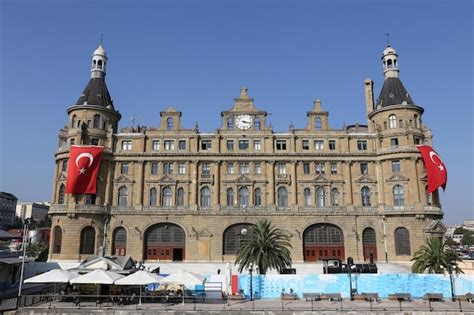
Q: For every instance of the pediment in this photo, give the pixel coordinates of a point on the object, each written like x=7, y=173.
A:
x=398, y=178
x=436, y=227
x=123, y=179
x=243, y=179
x=365, y=179
x=321, y=179
x=166, y=179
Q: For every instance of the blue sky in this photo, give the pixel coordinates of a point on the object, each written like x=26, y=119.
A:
x=195, y=56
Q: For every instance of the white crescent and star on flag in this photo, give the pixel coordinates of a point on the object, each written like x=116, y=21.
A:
x=89, y=156
x=439, y=165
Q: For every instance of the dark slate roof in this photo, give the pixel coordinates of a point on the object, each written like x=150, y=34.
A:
x=95, y=93
x=393, y=93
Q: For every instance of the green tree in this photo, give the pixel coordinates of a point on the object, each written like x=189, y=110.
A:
x=39, y=251
x=266, y=247
x=436, y=257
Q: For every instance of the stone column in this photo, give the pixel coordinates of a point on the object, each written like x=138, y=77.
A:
x=140, y=174
x=380, y=183
x=109, y=183
x=217, y=193
x=349, y=200
x=293, y=187
x=193, y=170
x=271, y=183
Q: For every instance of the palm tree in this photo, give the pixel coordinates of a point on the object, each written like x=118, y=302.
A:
x=436, y=257
x=265, y=247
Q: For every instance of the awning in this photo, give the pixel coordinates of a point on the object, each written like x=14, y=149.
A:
x=14, y=260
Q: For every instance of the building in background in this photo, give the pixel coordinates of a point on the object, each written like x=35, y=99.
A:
x=38, y=211
x=7, y=209
x=170, y=193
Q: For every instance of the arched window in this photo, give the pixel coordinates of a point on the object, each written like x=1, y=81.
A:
x=57, y=239
x=61, y=192
x=153, y=196
x=96, y=122
x=180, y=197
x=230, y=123
x=335, y=197
x=73, y=121
x=119, y=241
x=123, y=196
x=257, y=124
x=205, y=197
x=398, y=196
x=368, y=237
x=321, y=197
x=87, y=245
x=317, y=123
x=392, y=121
x=282, y=197
x=244, y=197
x=166, y=197
x=90, y=199
x=99, y=64
x=257, y=198
x=232, y=236
x=402, y=241
x=169, y=123
x=365, y=193
x=307, y=197
x=389, y=64
x=230, y=197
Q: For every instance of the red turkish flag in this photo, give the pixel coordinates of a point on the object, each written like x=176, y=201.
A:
x=83, y=167
x=435, y=168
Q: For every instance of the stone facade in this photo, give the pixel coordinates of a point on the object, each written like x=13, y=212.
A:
x=172, y=193
x=7, y=209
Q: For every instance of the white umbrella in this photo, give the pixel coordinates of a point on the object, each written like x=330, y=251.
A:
x=185, y=278
x=97, y=277
x=140, y=278
x=53, y=276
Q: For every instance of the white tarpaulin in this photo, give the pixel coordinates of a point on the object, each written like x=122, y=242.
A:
x=53, y=276
x=140, y=277
x=97, y=277
x=187, y=278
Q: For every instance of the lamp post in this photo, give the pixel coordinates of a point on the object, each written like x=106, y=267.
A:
x=251, y=284
x=24, y=243
x=350, y=263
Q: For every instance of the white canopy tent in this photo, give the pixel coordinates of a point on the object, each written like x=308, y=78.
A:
x=53, y=276
x=97, y=277
x=185, y=278
x=140, y=278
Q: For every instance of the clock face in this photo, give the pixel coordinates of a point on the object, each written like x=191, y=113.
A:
x=244, y=121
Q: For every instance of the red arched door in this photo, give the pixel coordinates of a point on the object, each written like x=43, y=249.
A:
x=323, y=241
x=165, y=241
x=369, y=244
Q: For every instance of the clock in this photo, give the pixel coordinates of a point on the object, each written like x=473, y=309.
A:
x=244, y=122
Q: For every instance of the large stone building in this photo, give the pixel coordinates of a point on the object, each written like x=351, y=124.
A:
x=173, y=193
x=7, y=209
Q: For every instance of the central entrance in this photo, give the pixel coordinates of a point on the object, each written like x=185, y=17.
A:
x=164, y=241
x=323, y=241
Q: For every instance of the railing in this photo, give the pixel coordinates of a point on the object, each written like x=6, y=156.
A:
x=396, y=148
x=400, y=208
x=122, y=208
x=170, y=209
x=239, y=210
x=90, y=208
x=365, y=209
x=58, y=209
x=314, y=209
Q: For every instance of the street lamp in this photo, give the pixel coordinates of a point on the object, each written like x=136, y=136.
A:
x=251, y=284
x=24, y=243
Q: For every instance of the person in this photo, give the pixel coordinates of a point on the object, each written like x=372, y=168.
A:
x=218, y=271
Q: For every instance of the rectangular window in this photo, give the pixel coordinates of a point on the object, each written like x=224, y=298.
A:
x=361, y=145
x=230, y=145
x=396, y=166
x=72, y=141
x=281, y=168
x=333, y=168
x=169, y=145
x=124, y=168
x=306, y=168
x=154, y=168
x=206, y=145
x=257, y=168
x=364, y=168
x=257, y=145
x=281, y=144
x=167, y=168
x=181, y=168
x=244, y=168
x=230, y=168
x=320, y=168
x=332, y=145
x=155, y=145
x=94, y=141
x=64, y=166
x=126, y=145
x=243, y=144
x=394, y=142
x=206, y=168
x=319, y=144
x=305, y=144
x=182, y=145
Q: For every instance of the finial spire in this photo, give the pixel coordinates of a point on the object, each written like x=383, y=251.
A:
x=244, y=92
x=101, y=38
x=388, y=39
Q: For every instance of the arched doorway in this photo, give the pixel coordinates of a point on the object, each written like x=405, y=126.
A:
x=369, y=244
x=232, y=236
x=323, y=241
x=119, y=241
x=165, y=241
